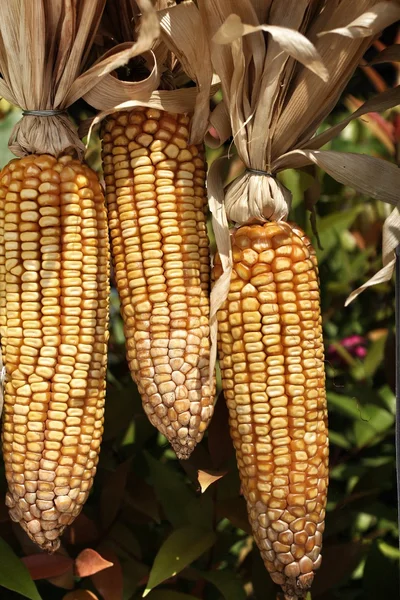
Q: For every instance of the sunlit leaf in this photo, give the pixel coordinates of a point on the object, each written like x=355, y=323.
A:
x=89, y=562
x=180, y=549
x=374, y=422
x=14, y=575
x=207, y=478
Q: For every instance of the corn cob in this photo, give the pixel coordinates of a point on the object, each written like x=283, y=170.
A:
x=272, y=363
x=155, y=191
x=54, y=294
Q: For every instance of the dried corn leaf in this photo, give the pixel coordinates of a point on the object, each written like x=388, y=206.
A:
x=371, y=22
x=183, y=35
x=390, y=54
x=276, y=93
x=44, y=46
x=391, y=239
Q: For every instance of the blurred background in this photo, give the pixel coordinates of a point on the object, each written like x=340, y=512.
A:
x=175, y=530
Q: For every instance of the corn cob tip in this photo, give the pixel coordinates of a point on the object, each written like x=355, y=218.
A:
x=183, y=452
x=297, y=588
x=33, y=528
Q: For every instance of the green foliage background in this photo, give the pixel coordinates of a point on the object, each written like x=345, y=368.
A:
x=147, y=514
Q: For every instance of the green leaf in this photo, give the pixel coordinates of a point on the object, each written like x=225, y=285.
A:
x=226, y=582
x=389, y=551
x=297, y=182
x=14, y=575
x=178, y=551
x=374, y=357
x=125, y=540
x=374, y=422
x=133, y=572
x=169, y=595
x=330, y=228
x=339, y=440
x=6, y=127
x=381, y=478
x=175, y=496
x=381, y=575
x=344, y=404
x=338, y=563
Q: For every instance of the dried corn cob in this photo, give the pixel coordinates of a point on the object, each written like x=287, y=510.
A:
x=54, y=294
x=271, y=356
x=155, y=190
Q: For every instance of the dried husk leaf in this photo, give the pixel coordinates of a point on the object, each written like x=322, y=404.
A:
x=182, y=33
x=371, y=22
x=390, y=54
x=44, y=46
x=391, y=238
x=275, y=102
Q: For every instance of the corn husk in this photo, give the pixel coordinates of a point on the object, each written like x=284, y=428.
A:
x=183, y=41
x=44, y=50
x=283, y=67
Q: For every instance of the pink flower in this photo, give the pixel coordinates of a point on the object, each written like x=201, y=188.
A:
x=355, y=346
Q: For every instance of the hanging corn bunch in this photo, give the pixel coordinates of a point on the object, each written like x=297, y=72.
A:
x=54, y=269
x=156, y=199
x=280, y=78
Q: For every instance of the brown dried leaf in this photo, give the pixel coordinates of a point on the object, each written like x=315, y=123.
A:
x=44, y=566
x=89, y=562
x=66, y=581
x=109, y=582
x=207, y=478
x=59, y=36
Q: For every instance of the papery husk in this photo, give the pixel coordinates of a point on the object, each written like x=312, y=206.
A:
x=273, y=104
x=390, y=54
x=182, y=33
x=44, y=47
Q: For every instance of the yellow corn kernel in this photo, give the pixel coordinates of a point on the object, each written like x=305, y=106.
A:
x=278, y=418
x=155, y=191
x=54, y=297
